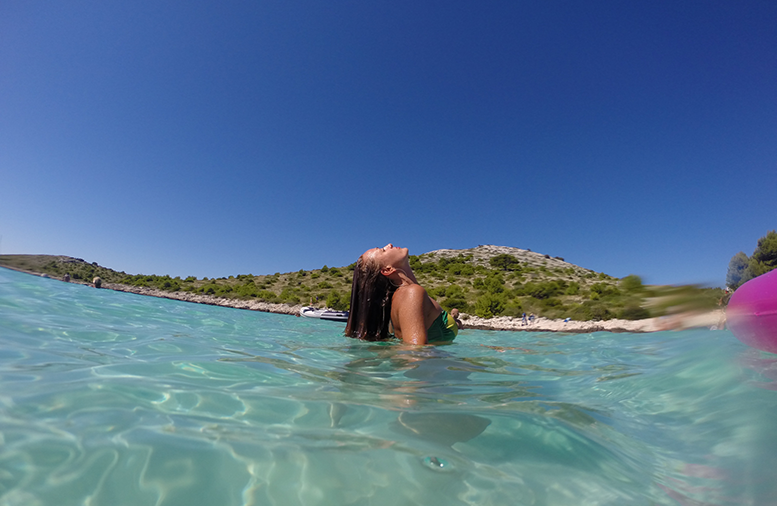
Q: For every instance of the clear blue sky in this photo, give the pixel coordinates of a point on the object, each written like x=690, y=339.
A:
x=220, y=138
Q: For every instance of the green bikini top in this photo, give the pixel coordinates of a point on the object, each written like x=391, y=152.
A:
x=443, y=329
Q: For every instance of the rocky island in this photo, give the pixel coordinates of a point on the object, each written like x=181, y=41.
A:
x=492, y=286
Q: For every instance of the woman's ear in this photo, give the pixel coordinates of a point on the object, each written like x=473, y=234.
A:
x=388, y=270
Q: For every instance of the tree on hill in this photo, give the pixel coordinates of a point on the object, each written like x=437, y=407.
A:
x=742, y=269
x=631, y=283
x=764, y=257
x=736, y=270
x=505, y=262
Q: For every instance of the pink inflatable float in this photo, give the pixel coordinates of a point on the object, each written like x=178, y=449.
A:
x=752, y=312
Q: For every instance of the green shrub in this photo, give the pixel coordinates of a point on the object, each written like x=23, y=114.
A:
x=338, y=300
x=514, y=309
x=489, y=305
x=288, y=296
x=436, y=292
x=631, y=284
x=267, y=296
x=505, y=262
x=590, y=310
x=454, y=269
x=247, y=290
x=459, y=303
x=494, y=283
x=455, y=298
x=455, y=291
x=171, y=286
x=543, y=290
x=604, y=290
x=600, y=313
x=634, y=313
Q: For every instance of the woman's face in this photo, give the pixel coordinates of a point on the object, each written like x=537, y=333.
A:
x=387, y=256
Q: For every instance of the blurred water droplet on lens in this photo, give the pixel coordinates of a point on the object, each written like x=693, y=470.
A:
x=437, y=464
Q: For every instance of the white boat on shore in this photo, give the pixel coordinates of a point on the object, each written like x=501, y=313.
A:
x=324, y=314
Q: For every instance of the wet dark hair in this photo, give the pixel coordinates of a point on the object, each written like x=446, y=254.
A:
x=370, y=312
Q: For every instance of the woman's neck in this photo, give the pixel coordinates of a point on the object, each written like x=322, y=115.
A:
x=406, y=276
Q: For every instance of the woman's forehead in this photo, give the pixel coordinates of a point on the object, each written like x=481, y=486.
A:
x=369, y=256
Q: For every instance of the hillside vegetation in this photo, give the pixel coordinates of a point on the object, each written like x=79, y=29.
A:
x=485, y=281
x=743, y=268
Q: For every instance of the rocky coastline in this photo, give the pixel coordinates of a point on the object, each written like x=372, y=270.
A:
x=197, y=298
x=675, y=322
x=681, y=321
x=713, y=319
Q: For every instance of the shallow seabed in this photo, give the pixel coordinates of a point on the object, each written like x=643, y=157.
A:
x=110, y=398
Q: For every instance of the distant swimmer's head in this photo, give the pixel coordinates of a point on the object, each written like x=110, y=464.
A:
x=97, y=282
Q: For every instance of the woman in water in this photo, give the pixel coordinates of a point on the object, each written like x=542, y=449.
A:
x=385, y=291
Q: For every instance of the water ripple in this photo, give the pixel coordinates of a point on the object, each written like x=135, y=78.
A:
x=113, y=398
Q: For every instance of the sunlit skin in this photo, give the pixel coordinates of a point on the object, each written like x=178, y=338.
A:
x=412, y=310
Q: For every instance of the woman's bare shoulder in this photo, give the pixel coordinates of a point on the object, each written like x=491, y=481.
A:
x=412, y=291
x=409, y=294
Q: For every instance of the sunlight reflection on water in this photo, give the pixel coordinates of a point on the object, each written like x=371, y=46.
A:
x=114, y=398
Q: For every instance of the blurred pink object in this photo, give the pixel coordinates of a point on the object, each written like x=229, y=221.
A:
x=752, y=312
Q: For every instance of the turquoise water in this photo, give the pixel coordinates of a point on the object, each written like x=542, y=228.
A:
x=109, y=398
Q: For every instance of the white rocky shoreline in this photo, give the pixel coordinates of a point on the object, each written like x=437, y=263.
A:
x=675, y=322
x=197, y=298
x=712, y=319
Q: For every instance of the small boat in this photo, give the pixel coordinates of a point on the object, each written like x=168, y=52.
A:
x=324, y=314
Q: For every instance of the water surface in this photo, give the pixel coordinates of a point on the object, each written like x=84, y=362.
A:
x=110, y=398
